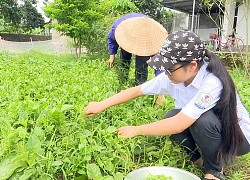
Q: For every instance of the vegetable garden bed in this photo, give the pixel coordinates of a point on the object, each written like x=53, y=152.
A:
x=44, y=134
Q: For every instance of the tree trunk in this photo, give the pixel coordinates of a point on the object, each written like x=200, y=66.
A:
x=80, y=47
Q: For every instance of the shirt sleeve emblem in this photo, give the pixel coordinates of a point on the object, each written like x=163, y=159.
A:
x=203, y=101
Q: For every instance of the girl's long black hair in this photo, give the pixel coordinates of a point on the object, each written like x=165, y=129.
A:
x=226, y=110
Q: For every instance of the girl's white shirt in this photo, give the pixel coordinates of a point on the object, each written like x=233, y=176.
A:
x=196, y=98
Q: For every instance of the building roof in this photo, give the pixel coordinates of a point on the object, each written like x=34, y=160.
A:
x=187, y=6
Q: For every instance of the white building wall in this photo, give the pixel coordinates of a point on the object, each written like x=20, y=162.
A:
x=180, y=21
x=207, y=25
x=243, y=23
x=227, y=27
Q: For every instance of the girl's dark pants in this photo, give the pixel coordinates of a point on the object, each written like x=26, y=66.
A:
x=141, y=67
x=206, y=134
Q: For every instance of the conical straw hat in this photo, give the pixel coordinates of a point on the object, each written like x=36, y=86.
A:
x=141, y=36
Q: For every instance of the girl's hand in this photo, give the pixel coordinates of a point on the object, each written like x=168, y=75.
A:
x=129, y=131
x=93, y=108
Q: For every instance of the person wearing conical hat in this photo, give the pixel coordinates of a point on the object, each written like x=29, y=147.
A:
x=134, y=28
x=209, y=119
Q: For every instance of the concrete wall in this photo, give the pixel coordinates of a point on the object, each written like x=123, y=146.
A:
x=24, y=37
x=180, y=21
x=243, y=23
x=206, y=25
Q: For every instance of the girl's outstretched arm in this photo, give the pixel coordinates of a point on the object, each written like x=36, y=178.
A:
x=172, y=125
x=94, y=108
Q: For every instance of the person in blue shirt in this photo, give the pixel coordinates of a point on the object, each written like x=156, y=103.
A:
x=141, y=67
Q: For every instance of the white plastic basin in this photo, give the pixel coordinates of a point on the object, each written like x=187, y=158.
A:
x=175, y=173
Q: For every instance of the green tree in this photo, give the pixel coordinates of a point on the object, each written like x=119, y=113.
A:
x=10, y=12
x=82, y=20
x=31, y=18
x=74, y=19
x=156, y=10
x=17, y=16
